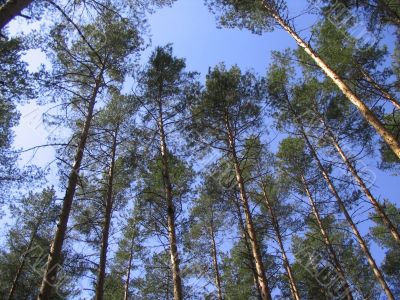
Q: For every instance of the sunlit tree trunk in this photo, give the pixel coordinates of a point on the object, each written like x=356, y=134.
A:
x=378, y=274
x=332, y=254
x=215, y=263
x=128, y=272
x=277, y=229
x=369, y=116
x=380, y=89
x=50, y=276
x=176, y=277
x=107, y=221
x=255, y=247
x=248, y=248
x=378, y=208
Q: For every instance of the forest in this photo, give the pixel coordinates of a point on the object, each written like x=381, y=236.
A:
x=158, y=181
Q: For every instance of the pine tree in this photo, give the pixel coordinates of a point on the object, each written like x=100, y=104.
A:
x=312, y=262
x=297, y=170
x=285, y=97
x=222, y=116
x=163, y=86
x=87, y=66
x=28, y=245
x=383, y=238
x=259, y=16
x=208, y=218
x=105, y=182
x=123, y=281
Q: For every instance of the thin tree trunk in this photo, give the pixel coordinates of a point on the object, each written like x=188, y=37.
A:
x=128, y=272
x=27, y=250
x=378, y=208
x=384, y=93
x=248, y=248
x=378, y=274
x=50, y=276
x=176, y=277
x=107, y=221
x=369, y=116
x=22, y=264
x=262, y=279
x=215, y=262
x=11, y=9
x=332, y=254
x=275, y=225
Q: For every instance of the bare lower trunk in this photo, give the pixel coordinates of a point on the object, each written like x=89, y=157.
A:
x=332, y=254
x=50, y=276
x=248, y=248
x=11, y=9
x=107, y=222
x=262, y=279
x=378, y=208
x=176, y=277
x=378, y=274
x=128, y=272
x=369, y=116
x=275, y=224
x=255, y=247
x=215, y=263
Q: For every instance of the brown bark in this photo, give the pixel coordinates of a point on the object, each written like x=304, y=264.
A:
x=378, y=208
x=11, y=9
x=53, y=261
x=27, y=251
x=215, y=263
x=377, y=272
x=101, y=275
x=332, y=254
x=128, y=272
x=275, y=224
x=22, y=264
x=369, y=116
x=381, y=90
x=262, y=279
x=170, y=209
x=248, y=248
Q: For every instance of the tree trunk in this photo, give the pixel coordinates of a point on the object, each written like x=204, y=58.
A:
x=246, y=242
x=22, y=264
x=128, y=272
x=11, y=9
x=378, y=208
x=262, y=279
x=363, y=245
x=384, y=93
x=369, y=116
x=176, y=277
x=50, y=275
x=275, y=225
x=215, y=263
x=332, y=254
x=107, y=221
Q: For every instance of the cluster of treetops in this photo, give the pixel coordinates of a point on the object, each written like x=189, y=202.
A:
x=239, y=186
